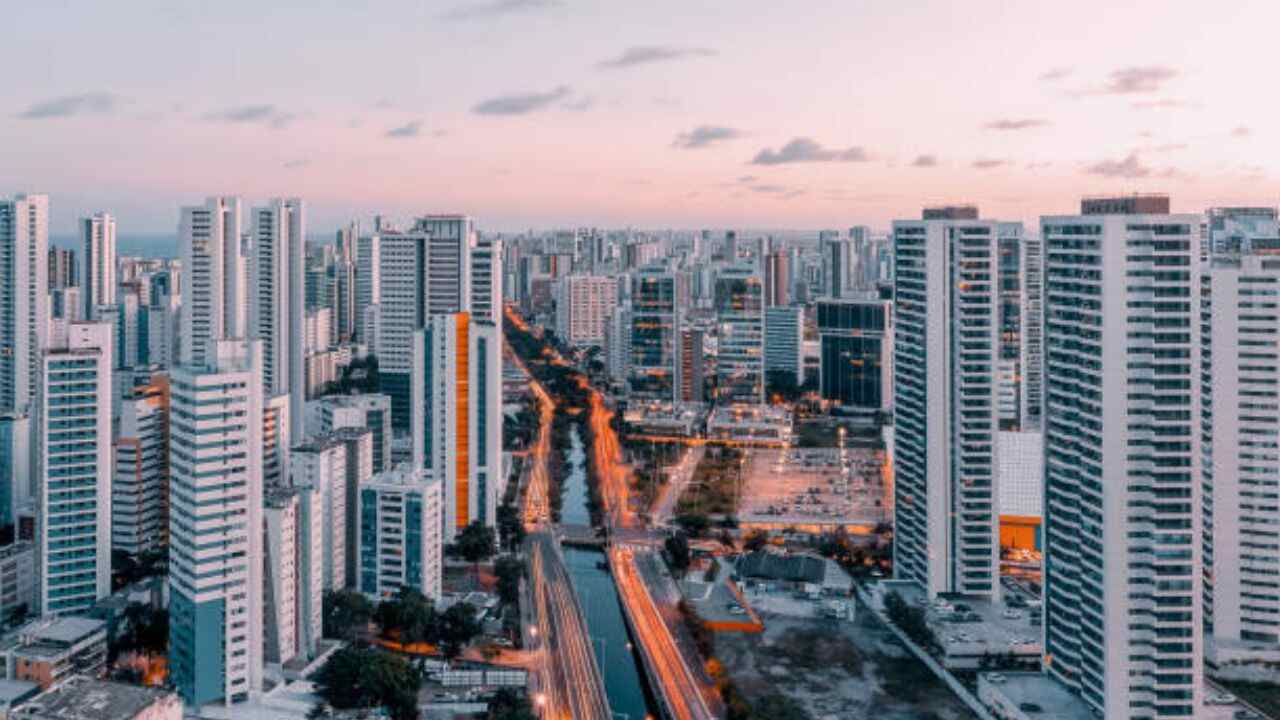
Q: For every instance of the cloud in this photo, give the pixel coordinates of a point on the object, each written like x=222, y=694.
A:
x=1016, y=124
x=645, y=54
x=496, y=8
x=1138, y=80
x=989, y=163
x=1165, y=104
x=746, y=178
x=252, y=114
x=1130, y=167
x=925, y=161
x=1168, y=147
x=1242, y=131
x=69, y=105
x=806, y=150
x=1039, y=165
x=705, y=136
x=411, y=129
x=296, y=164
x=582, y=104
x=779, y=191
x=520, y=104
x=1055, y=74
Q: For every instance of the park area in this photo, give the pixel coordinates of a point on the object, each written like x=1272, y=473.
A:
x=714, y=487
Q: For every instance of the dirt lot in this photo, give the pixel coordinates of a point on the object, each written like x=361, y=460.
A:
x=836, y=670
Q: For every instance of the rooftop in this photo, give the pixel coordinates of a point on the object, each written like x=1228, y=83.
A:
x=793, y=568
x=61, y=630
x=1033, y=689
x=84, y=698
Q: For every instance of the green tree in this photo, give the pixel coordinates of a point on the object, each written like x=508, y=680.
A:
x=755, y=541
x=456, y=628
x=510, y=526
x=509, y=570
x=410, y=616
x=344, y=613
x=475, y=544
x=693, y=524
x=677, y=547
x=359, y=678
x=507, y=704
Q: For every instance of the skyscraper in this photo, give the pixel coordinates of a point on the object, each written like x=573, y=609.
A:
x=24, y=287
x=216, y=525
x=62, y=268
x=321, y=463
x=456, y=418
x=278, y=307
x=739, y=304
x=946, y=346
x=399, y=543
x=855, y=354
x=293, y=586
x=98, y=248
x=140, y=486
x=368, y=281
x=214, y=299
x=784, y=342
x=655, y=326
x=73, y=501
x=1122, y=582
x=777, y=278
x=583, y=305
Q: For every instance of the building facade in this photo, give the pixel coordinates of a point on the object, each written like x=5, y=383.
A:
x=739, y=305
x=400, y=539
x=24, y=287
x=140, y=487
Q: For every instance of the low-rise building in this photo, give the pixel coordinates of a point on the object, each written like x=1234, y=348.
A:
x=17, y=580
x=48, y=650
x=401, y=515
x=83, y=698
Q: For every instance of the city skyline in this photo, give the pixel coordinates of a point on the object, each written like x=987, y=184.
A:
x=659, y=124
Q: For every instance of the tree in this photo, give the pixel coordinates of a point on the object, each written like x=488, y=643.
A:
x=357, y=678
x=344, y=613
x=410, y=616
x=510, y=526
x=677, y=547
x=507, y=704
x=755, y=541
x=475, y=544
x=509, y=570
x=457, y=627
x=693, y=524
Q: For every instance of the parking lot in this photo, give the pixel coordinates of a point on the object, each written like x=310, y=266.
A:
x=801, y=486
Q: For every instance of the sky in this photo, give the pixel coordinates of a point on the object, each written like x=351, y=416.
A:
x=655, y=114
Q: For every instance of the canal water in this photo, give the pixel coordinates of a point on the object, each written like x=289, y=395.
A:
x=619, y=664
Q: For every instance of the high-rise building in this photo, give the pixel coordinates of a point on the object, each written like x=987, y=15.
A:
x=855, y=354
x=62, y=268
x=1122, y=583
x=450, y=240
x=1240, y=373
x=335, y=412
x=655, y=325
x=98, y=247
x=400, y=540
x=73, y=501
x=692, y=366
x=368, y=281
x=24, y=287
x=1018, y=369
x=457, y=416
x=583, y=305
x=215, y=281
x=16, y=489
x=839, y=265
x=784, y=342
x=946, y=345
x=216, y=527
x=777, y=278
x=486, y=280
x=739, y=305
x=293, y=586
x=359, y=445
x=617, y=343
x=321, y=463
x=278, y=307
x=1031, y=334
x=277, y=440
x=140, y=487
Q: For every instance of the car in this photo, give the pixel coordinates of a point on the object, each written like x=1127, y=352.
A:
x=1011, y=614
x=1221, y=698
x=961, y=607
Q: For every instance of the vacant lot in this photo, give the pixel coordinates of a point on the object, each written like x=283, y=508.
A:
x=836, y=670
x=714, y=488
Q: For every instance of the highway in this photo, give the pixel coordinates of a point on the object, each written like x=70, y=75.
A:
x=537, y=504
x=681, y=475
x=681, y=692
x=606, y=451
x=574, y=686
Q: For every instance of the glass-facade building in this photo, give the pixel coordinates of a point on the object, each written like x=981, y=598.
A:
x=854, y=347
x=654, y=336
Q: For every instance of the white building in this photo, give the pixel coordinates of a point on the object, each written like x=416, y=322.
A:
x=335, y=412
x=359, y=446
x=784, y=341
x=318, y=330
x=368, y=283
x=98, y=253
x=946, y=345
x=400, y=539
x=617, y=343
x=73, y=501
x=457, y=416
x=24, y=287
x=1240, y=374
x=321, y=463
x=583, y=306
x=278, y=300
x=215, y=526
x=294, y=587
x=214, y=278
x=1122, y=529
x=140, y=487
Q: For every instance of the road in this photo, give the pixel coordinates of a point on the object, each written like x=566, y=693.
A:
x=537, y=504
x=574, y=688
x=681, y=474
x=681, y=691
x=606, y=451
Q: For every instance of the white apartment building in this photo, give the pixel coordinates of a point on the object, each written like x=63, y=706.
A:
x=617, y=343
x=215, y=525
x=140, y=486
x=294, y=588
x=215, y=299
x=583, y=306
x=368, y=283
x=359, y=446
x=278, y=306
x=24, y=287
x=73, y=500
x=946, y=346
x=1122, y=529
x=1241, y=418
x=335, y=412
x=457, y=416
x=321, y=463
x=400, y=543
x=276, y=440
x=98, y=253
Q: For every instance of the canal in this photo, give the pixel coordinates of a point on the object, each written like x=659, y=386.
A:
x=623, y=677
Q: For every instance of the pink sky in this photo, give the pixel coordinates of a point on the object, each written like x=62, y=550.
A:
x=543, y=113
